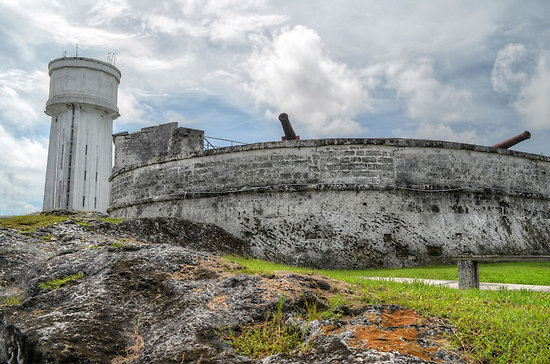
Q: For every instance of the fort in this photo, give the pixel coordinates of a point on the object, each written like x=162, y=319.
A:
x=340, y=203
x=327, y=203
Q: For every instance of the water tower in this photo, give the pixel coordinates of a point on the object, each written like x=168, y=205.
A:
x=83, y=105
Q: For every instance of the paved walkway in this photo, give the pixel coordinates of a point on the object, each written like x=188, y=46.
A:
x=454, y=284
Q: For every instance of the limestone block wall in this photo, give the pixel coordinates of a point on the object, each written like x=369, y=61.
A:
x=352, y=203
x=155, y=143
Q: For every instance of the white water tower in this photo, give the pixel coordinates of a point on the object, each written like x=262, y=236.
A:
x=83, y=105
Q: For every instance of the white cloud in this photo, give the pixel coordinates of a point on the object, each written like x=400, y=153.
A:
x=55, y=24
x=439, y=131
x=216, y=20
x=507, y=72
x=22, y=167
x=528, y=83
x=402, y=30
x=104, y=11
x=20, y=92
x=132, y=111
x=426, y=99
x=293, y=73
x=174, y=116
x=533, y=102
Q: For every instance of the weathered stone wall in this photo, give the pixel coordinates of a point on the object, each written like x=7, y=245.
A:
x=155, y=143
x=352, y=202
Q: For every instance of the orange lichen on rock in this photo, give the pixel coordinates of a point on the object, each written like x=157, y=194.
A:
x=399, y=318
x=400, y=330
x=332, y=330
x=402, y=340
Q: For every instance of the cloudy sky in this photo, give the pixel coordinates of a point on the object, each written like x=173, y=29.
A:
x=468, y=71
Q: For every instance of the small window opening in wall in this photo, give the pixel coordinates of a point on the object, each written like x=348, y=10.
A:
x=95, y=202
x=56, y=120
x=86, y=150
x=84, y=175
x=96, y=176
x=83, y=200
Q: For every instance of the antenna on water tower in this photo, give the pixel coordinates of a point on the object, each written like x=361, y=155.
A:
x=111, y=58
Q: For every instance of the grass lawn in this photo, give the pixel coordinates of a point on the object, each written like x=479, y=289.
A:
x=537, y=273
x=491, y=326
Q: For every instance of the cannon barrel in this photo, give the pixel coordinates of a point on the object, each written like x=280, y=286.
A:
x=287, y=128
x=513, y=141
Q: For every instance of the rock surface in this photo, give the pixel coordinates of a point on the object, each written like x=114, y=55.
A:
x=154, y=291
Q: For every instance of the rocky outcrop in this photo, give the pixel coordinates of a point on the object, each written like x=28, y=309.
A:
x=154, y=291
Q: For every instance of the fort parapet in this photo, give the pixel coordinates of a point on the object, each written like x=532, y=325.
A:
x=342, y=203
x=156, y=143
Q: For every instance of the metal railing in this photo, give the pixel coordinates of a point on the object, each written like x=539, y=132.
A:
x=209, y=143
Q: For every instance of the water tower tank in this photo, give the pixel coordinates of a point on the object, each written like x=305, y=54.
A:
x=83, y=105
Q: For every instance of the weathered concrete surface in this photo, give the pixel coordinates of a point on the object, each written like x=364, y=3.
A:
x=353, y=203
x=153, y=300
x=468, y=274
x=83, y=105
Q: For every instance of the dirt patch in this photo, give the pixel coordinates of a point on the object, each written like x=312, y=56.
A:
x=293, y=285
x=208, y=268
x=218, y=302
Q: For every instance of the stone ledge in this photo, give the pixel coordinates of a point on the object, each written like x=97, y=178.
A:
x=289, y=188
x=314, y=143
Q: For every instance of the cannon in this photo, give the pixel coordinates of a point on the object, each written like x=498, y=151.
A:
x=287, y=128
x=513, y=141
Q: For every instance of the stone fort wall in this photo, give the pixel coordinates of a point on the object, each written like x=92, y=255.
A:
x=346, y=203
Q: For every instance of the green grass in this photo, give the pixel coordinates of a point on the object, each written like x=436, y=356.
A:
x=118, y=245
x=29, y=223
x=11, y=301
x=537, y=273
x=266, y=338
x=82, y=222
x=57, y=283
x=491, y=326
x=111, y=220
